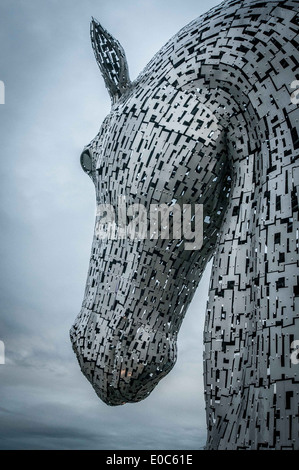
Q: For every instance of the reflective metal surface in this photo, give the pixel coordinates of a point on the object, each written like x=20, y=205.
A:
x=209, y=121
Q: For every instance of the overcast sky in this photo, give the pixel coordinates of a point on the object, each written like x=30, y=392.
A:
x=55, y=103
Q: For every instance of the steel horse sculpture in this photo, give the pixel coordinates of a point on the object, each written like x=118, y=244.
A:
x=213, y=120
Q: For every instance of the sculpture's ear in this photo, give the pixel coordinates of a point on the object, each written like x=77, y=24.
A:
x=111, y=59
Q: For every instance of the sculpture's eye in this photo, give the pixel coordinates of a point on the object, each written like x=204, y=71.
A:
x=86, y=161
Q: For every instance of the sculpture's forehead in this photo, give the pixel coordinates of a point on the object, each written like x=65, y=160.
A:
x=147, y=107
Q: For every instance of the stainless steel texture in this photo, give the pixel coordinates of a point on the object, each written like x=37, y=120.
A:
x=209, y=121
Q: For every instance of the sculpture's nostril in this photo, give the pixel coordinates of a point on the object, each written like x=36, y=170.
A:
x=131, y=386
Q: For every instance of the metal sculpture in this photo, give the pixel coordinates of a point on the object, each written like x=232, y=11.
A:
x=210, y=121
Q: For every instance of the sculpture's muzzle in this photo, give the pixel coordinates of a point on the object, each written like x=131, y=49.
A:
x=129, y=361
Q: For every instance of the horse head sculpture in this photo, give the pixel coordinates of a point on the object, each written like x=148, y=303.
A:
x=210, y=122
